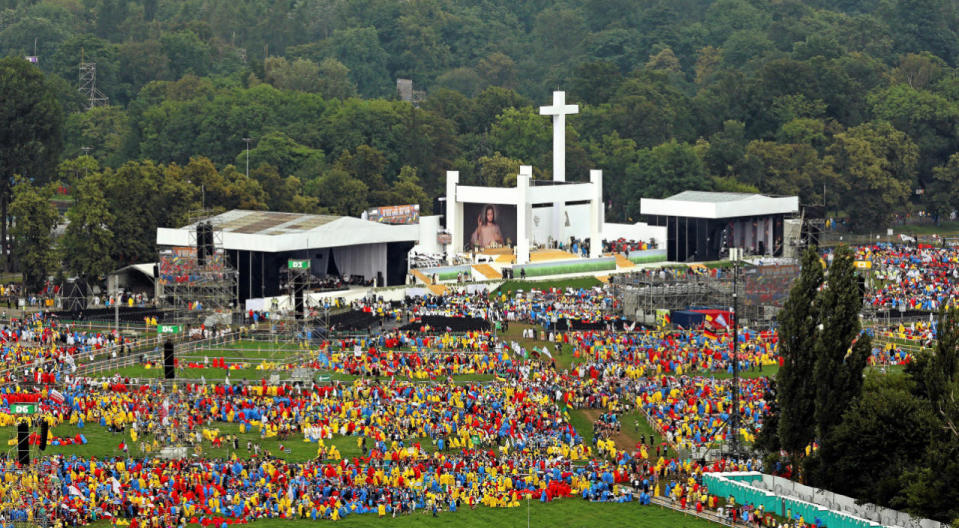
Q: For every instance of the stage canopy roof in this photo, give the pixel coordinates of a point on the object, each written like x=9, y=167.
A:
x=273, y=232
x=716, y=205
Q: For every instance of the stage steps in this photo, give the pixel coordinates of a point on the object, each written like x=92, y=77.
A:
x=421, y=276
x=543, y=255
x=623, y=262
x=437, y=289
x=487, y=271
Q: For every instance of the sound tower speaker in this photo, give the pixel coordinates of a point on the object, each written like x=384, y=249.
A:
x=298, y=303
x=208, y=239
x=201, y=244
x=169, y=372
x=23, y=443
x=44, y=431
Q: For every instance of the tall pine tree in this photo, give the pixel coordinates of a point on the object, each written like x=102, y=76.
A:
x=841, y=351
x=797, y=334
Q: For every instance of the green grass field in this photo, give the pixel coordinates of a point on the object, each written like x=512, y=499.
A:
x=103, y=444
x=563, y=360
x=571, y=513
x=745, y=374
x=636, y=417
x=511, y=286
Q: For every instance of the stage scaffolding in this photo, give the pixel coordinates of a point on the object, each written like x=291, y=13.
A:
x=762, y=291
x=198, y=280
x=303, y=315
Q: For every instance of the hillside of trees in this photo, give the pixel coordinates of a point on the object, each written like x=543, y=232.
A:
x=853, y=103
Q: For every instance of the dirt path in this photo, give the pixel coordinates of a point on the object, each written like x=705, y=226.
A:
x=621, y=439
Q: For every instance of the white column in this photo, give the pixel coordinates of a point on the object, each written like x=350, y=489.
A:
x=454, y=211
x=596, y=214
x=523, y=213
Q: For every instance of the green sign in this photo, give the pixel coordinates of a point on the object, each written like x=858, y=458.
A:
x=298, y=264
x=168, y=329
x=23, y=408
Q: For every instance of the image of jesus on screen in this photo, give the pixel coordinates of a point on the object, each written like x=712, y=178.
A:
x=487, y=233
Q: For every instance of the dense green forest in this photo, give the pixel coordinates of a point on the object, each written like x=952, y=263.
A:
x=851, y=102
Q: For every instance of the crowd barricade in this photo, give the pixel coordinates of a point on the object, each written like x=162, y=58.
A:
x=783, y=497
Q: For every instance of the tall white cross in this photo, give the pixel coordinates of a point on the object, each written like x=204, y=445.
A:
x=559, y=111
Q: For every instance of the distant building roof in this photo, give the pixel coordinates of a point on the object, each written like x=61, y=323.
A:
x=271, y=231
x=268, y=222
x=716, y=197
x=714, y=205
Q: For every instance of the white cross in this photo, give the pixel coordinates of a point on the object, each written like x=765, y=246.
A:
x=559, y=111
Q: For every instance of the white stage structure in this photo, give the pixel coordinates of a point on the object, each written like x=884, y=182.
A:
x=545, y=211
x=261, y=243
x=702, y=226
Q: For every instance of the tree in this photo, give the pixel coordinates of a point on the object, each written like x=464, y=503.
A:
x=30, y=140
x=407, y=190
x=786, y=169
x=928, y=490
x=341, y=193
x=665, y=61
x=664, y=170
x=498, y=69
x=33, y=231
x=102, y=130
x=463, y=80
x=88, y=241
x=943, y=191
x=286, y=155
x=796, y=389
x=360, y=50
x=498, y=171
x=187, y=53
x=727, y=148
x=135, y=208
x=301, y=74
x=334, y=80
x=841, y=349
x=875, y=183
x=279, y=194
x=877, y=441
x=523, y=134
x=367, y=164
x=929, y=119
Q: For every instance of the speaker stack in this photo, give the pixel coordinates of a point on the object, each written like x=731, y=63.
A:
x=169, y=372
x=23, y=443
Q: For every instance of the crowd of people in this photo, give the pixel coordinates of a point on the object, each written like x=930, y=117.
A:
x=442, y=420
x=910, y=277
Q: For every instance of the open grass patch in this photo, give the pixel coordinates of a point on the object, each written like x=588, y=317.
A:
x=511, y=286
x=568, y=513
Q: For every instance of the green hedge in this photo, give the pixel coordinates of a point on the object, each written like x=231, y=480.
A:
x=646, y=259
x=562, y=268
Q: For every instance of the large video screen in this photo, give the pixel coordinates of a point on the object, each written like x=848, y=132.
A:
x=488, y=226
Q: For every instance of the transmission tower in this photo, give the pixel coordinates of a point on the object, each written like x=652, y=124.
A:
x=88, y=84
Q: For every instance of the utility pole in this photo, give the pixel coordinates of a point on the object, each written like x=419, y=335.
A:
x=247, y=140
x=734, y=416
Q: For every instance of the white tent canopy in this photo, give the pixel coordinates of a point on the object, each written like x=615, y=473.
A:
x=716, y=205
x=274, y=232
